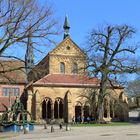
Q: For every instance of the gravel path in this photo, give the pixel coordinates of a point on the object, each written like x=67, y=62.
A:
x=131, y=132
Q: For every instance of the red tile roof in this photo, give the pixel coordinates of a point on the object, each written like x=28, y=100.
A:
x=67, y=80
x=14, y=71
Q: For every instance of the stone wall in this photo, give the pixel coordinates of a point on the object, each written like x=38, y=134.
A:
x=75, y=98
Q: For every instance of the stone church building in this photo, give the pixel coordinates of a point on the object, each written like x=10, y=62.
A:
x=59, y=87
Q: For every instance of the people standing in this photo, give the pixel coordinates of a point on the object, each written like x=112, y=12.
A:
x=73, y=120
x=88, y=119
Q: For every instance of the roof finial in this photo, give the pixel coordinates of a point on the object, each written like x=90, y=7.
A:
x=66, y=27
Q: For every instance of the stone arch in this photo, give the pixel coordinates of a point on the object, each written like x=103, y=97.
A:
x=86, y=109
x=67, y=105
x=69, y=98
x=121, y=96
x=86, y=103
x=112, y=109
x=34, y=102
x=78, y=111
x=62, y=67
x=46, y=108
x=105, y=107
x=58, y=108
x=78, y=103
x=116, y=109
x=37, y=95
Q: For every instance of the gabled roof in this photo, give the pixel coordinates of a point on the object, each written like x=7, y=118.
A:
x=63, y=80
x=68, y=37
x=12, y=71
x=67, y=80
x=75, y=45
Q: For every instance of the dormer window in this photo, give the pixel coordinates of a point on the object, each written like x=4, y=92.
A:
x=62, y=67
x=74, y=68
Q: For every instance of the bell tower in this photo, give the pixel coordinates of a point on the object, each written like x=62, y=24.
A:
x=66, y=27
x=29, y=56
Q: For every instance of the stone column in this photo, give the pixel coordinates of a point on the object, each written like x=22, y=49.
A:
x=52, y=110
x=68, y=107
x=38, y=107
x=46, y=110
x=69, y=112
x=29, y=103
x=58, y=102
x=38, y=112
x=108, y=109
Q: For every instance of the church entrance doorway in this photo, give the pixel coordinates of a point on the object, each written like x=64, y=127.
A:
x=86, y=111
x=78, y=113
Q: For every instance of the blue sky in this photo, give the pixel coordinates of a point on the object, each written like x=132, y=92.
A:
x=84, y=15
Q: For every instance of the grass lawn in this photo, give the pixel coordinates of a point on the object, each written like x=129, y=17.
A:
x=4, y=137
x=108, y=124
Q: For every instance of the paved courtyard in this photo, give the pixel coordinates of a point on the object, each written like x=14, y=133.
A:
x=130, y=132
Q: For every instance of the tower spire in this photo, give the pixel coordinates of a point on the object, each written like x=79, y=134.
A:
x=66, y=27
x=29, y=56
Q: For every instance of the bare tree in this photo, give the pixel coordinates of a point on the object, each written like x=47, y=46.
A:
x=133, y=88
x=110, y=54
x=21, y=19
x=90, y=98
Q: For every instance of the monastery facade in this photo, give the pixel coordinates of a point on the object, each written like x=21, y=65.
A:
x=58, y=86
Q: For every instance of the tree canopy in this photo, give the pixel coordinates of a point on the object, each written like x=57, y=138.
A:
x=110, y=54
x=133, y=87
x=21, y=19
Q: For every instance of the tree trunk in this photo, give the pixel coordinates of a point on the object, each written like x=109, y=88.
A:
x=100, y=107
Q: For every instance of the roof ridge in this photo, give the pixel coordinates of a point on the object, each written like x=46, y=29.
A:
x=10, y=60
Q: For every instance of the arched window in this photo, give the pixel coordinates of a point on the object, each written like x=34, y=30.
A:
x=46, y=108
x=78, y=111
x=62, y=67
x=58, y=108
x=74, y=68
